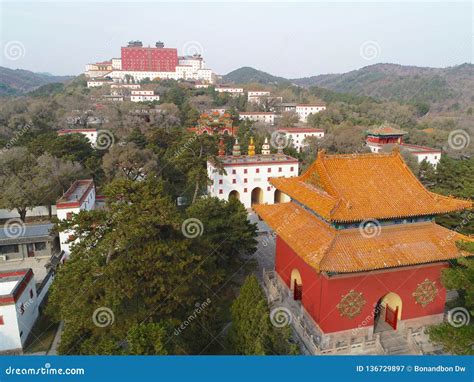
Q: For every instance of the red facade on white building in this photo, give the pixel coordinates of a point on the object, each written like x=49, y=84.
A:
x=149, y=59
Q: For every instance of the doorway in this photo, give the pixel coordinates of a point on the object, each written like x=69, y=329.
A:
x=234, y=194
x=387, y=312
x=296, y=285
x=257, y=196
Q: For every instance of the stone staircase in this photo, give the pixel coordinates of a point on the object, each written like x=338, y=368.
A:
x=395, y=343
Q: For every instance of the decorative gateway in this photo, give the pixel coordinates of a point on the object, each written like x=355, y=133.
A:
x=320, y=233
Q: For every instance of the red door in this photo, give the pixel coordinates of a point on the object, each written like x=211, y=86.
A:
x=297, y=291
x=391, y=316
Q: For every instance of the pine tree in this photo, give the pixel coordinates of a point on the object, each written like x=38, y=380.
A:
x=134, y=272
x=458, y=339
x=251, y=332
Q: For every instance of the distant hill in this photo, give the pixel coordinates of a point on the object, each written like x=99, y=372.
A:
x=443, y=86
x=247, y=75
x=19, y=81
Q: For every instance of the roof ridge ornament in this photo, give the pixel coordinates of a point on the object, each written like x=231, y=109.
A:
x=221, y=147
x=251, y=150
x=236, y=148
x=266, y=147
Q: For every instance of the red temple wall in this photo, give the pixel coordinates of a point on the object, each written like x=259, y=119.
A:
x=322, y=294
x=384, y=140
x=285, y=261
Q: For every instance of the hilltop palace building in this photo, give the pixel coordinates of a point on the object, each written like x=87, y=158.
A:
x=139, y=62
x=247, y=177
x=358, y=248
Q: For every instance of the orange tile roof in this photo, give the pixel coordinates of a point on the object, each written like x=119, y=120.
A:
x=386, y=130
x=327, y=249
x=355, y=187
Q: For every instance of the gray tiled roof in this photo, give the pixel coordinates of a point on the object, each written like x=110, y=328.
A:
x=25, y=232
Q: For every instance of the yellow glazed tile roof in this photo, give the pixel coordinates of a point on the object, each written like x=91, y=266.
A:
x=349, y=250
x=386, y=130
x=355, y=187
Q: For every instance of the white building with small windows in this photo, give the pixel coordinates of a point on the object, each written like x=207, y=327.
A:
x=143, y=96
x=116, y=63
x=18, y=309
x=139, y=63
x=80, y=196
x=257, y=116
x=247, y=177
x=388, y=135
x=304, y=110
x=230, y=89
x=254, y=96
x=423, y=153
x=124, y=86
x=297, y=136
x=97, y=83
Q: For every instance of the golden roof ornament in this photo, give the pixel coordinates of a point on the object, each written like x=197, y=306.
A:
x=251, y=151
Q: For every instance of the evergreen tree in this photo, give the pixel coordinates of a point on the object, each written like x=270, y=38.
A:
x=149, y=339
x=134, y=266
x=251, y=332
x=132, y=259
x=458, y=338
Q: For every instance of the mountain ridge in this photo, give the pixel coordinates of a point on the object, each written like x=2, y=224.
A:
x=14, y=82
x=451, y=87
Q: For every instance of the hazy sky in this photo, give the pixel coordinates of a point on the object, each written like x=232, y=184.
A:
x=286, y=39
